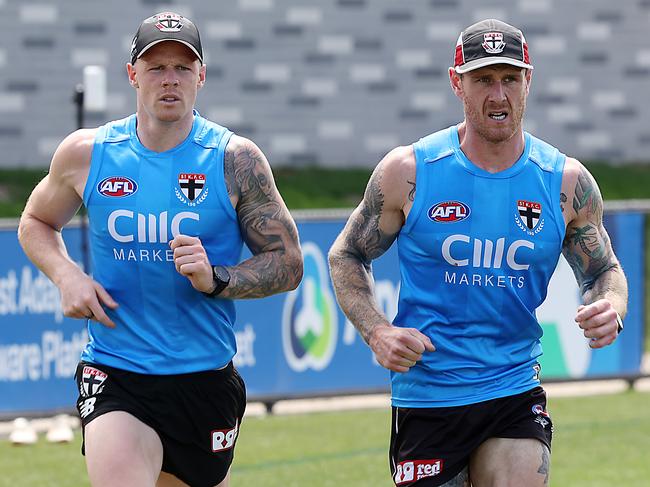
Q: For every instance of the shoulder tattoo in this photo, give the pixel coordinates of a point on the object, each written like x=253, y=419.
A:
x=364, y=233
x=229, y=172
x=587, y=247
x=412, y=191
x=587, y=196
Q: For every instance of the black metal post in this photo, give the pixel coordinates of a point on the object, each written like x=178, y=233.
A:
x=78, y=100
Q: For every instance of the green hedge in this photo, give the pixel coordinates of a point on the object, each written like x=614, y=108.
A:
x=316, y=187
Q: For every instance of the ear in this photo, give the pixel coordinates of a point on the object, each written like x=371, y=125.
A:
x=456, y=82
x=130, y=71
x=202, y=73
x=529, y=79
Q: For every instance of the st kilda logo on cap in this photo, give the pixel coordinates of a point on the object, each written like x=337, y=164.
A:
x=168, y=22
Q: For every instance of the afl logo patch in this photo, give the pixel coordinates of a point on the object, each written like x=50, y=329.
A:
x=117, y=186
x=449, y=212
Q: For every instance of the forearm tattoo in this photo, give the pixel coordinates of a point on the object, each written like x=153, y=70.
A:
x=361, y=241
x=586, y=246
x=266, y=227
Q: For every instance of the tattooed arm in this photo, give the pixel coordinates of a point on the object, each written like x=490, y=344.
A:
x=588, y=251
x=266, y=227
x=370, y=231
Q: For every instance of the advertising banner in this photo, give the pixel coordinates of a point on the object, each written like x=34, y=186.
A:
x=298, y=343
x=39, y=347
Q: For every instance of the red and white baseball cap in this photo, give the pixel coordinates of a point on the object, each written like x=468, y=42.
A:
x=166, y=26
x=490, y=42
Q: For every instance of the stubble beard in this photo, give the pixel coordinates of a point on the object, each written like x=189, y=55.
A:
x=169, y=116
x=494, y=135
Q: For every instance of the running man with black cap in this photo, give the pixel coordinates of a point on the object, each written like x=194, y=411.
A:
x=481, y=212
x=171, y=199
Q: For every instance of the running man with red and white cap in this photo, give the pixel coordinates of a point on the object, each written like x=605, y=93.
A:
x=481, y=212
x=171, y=199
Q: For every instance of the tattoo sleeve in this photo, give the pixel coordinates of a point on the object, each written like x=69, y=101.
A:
x=587, y=247
x=361, y=241
x=266, y=227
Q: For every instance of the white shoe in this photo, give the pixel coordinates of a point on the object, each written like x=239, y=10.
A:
x=60, y=430
x=23, y=433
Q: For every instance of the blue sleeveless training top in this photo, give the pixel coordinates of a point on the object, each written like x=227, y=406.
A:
x=476, y=254
x=137, y=201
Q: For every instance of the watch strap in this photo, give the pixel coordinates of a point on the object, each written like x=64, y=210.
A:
x=220, y=278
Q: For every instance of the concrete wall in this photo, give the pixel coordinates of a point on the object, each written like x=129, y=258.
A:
x=334, y=82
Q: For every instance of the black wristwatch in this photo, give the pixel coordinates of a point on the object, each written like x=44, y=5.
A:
x=619, y=324
x=221, y=279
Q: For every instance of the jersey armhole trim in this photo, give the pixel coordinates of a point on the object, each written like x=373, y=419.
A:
x=558, y=175
x=224, y=198
x=96, y=159
x=421, y=184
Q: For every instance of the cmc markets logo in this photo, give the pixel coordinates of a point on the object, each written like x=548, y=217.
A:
x=484, y=253
x=310, y=318
x=126, y=226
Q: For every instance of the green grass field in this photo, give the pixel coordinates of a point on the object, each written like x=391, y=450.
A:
x=600, y=441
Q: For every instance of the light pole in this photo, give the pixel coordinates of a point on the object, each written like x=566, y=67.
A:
x=89, y=96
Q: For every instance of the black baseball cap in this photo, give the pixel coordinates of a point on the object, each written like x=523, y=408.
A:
x=490, y=42
x=166, y=26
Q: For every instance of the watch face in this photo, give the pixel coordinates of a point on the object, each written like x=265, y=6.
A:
x=221, y=274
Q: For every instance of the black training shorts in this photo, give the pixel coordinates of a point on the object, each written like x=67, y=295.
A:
x=430, y=446
x=197, y=416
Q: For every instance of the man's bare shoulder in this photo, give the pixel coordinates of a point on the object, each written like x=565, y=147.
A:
x=570, y=174
x=580, y=191
x=400, y=161
x=74, y=153
x=572, y=168
x=58, y=196
x=398, y=176
x=238, y=144
x=244, y=160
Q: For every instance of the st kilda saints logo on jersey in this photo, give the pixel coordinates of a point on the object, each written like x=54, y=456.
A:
x=193, y=190
x=168, y=22
x=493, y=42
x=529, y=217
x=92, y=381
